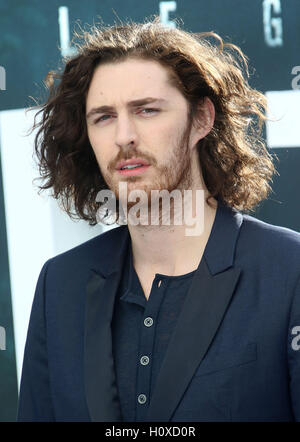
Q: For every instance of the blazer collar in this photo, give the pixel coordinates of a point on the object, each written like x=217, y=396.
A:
x=201, y=315
x=220, y=248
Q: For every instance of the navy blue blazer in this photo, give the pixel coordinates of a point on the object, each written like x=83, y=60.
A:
x=234, y=354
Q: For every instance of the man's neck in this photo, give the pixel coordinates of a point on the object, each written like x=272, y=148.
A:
x=167, y=249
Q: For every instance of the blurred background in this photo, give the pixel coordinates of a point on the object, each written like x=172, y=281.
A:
x=34, y=36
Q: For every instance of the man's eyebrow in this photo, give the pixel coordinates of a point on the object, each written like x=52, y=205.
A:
x=134, y=103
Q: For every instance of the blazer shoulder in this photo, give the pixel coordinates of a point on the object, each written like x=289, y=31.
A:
x=265, y=228
x=89, y=252
x=270, y=237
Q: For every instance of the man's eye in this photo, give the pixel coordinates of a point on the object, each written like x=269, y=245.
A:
x=100, y=118
x=150, y=110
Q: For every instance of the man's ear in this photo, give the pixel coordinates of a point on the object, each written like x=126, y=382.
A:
x=204, y=120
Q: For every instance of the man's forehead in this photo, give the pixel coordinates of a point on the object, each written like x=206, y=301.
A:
x=136, y=73
x=131, y=62
x=130, y=88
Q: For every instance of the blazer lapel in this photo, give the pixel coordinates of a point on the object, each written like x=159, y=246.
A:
x=205, y=305
x=100, y=381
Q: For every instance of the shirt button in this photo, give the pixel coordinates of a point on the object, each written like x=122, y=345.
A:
x=142, y=398
x=148, y=321
x=144, y=360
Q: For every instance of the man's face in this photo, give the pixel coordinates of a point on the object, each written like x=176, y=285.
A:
x=156, y=132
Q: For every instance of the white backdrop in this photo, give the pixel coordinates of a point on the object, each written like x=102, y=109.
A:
x=37, y=229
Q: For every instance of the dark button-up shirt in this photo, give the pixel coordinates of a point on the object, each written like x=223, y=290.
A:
x=141, y=331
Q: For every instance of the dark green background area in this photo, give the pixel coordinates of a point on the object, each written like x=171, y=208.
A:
x=29, y=48
x=30, y=36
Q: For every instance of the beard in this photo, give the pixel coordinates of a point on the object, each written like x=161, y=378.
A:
x=174, y=174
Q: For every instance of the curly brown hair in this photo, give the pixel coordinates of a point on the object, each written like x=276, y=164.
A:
x=236, y=165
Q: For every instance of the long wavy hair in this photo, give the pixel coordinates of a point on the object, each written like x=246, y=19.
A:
x=236, y=165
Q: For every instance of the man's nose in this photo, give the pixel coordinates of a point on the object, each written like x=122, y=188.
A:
x=126, y=134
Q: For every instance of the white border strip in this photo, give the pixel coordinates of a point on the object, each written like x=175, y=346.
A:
x=36, y=228
x=284, y=106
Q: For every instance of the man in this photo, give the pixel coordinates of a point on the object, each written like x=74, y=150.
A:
x=146, y=322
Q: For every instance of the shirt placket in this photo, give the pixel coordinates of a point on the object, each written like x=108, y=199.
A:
x=146, y=346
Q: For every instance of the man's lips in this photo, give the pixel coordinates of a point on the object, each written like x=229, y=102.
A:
x=136, y=171
x=132, y=162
